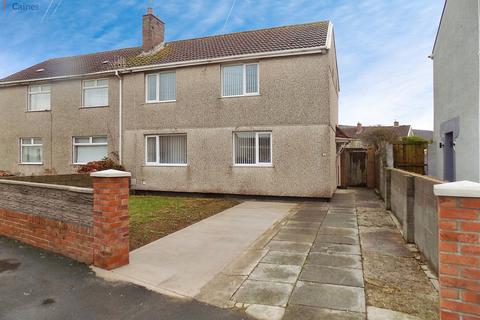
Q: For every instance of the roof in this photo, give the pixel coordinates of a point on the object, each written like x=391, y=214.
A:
x=300, y=36
x=439, y=26
x=340, y=134
x=355, y=132
x=425, y=134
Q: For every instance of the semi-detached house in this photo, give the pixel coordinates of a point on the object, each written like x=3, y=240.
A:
x=251, y=112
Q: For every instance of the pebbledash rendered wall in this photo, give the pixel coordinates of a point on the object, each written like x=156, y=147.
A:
x=89, y=225
x=410, y=198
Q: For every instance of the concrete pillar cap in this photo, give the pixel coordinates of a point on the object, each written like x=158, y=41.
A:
x=110, y=174
x=461, y=189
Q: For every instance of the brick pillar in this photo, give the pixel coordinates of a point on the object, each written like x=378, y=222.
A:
x=110, y=218
x=459, y=246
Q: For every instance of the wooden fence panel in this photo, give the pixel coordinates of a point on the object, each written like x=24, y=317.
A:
x=410, y=156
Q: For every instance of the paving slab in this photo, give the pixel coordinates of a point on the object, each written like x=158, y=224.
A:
x=299, y=230
x=336, y=248
x=264, y=293
x=325, y=238
x=312, y=313
x=275, y=272
x=185, y=261
x=289, y=246
x=335, y=260
x=303, y=224
x=285, y=258
x=220, y=289
x=334, y=231
x=292, y=235
x=382, y=314
x=339, y=276
x=328, y=296
x=262, y=312
x=246, y=262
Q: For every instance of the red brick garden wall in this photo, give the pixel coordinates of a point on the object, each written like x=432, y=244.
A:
x=87, y=225
x=459, y=246
x=71, y=240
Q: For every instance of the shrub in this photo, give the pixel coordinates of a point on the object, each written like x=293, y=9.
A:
x=414, y=139
x=4, y=173
x=104, y=164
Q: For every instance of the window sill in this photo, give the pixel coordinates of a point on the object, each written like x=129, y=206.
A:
x=46, y=110
x=165, y=165
x=241, y=96
x=94, y=107
x=158, y=102
x=31, y=164
x=252, y=165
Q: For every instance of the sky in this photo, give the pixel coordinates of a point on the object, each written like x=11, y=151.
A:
x=382, y=45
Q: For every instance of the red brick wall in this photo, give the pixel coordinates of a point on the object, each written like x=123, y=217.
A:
x=71, y=240
x=459, y=246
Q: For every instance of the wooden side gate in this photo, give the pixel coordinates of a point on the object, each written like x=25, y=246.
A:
x=410, y=156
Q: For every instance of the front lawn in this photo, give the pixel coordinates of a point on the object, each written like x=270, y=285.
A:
x=153, y=217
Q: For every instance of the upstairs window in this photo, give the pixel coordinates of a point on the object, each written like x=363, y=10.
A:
x=39, y=98
x=31, y=150
x=161, y=87
x=240, y=80
x=86, y=149
x=95, y=93
x=253, y=148
x=166, y=150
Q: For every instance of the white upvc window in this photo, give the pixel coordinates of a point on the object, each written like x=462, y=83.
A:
x=38, y=97
x=166, y=150
x=31, y=151
x=86, y=149
x=161, y=87
x=95, y=93
x=240, y=80
x=252, y=148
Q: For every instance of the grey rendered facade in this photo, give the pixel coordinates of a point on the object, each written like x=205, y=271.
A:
x=456, y=94
x=297, y=102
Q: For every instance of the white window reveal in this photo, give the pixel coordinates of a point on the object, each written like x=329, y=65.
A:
x=161, y=87
x=86, y=149
x=95, y=93
x=240, y=80
x=167, y=150
x=252, y=148
x=39, y=98
x=31, y=151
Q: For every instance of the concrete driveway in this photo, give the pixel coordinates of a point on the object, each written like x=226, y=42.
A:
x=37, y=285
x=182, y=263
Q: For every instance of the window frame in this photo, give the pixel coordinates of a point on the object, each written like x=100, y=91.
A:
x=257, y=153
x=157, y=150
x=31, y=144
x=29, y=94
x=157, y=89
x=244, y=80
x=90, y=143
x=95, y=87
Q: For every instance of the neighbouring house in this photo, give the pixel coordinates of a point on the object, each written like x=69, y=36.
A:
x=251, y=112
x=356, y=162
x=455, y=152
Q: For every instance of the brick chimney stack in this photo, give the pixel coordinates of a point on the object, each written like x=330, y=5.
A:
x=396, y=123
x=153, y=31
x=359, y=128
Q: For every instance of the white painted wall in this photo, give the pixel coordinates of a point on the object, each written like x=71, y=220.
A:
x=456, y=87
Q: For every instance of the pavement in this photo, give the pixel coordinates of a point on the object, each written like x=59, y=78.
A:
x=319, y=263
x=38, y=285
x=181, y=263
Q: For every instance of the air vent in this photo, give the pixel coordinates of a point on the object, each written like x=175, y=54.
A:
x=40, y=70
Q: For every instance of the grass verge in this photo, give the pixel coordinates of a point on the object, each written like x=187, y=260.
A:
x=153, y=217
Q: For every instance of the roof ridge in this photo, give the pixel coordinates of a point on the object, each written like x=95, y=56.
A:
x=90, y=54
x=252, y=30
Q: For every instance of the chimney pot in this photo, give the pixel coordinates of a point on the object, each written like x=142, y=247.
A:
x=149, y=10
x=396, y=123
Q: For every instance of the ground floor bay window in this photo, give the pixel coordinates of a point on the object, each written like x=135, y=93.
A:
x=166, y=150
x=252, y=148
x=86, y=149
